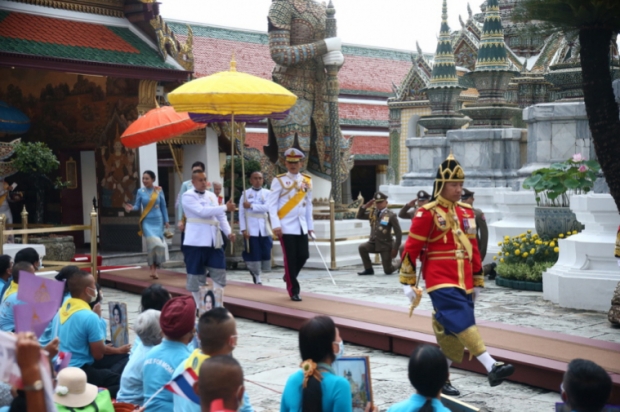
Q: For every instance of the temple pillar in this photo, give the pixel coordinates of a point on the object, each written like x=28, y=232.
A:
x=381, y=171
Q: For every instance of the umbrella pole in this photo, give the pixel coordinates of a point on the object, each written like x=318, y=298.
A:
x=232, y=177
x=176, y=164
x=247, y=241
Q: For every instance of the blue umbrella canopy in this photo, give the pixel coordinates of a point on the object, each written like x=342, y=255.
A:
x=13, y=121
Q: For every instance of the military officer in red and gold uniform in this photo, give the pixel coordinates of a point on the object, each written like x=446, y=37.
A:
x=443, y=236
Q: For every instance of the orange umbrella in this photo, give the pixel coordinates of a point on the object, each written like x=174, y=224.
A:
x=158, y=124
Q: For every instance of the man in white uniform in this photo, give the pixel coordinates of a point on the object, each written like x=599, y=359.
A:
x=254, y=224
x=290, y=211
x=185, y=186
x=202, y=247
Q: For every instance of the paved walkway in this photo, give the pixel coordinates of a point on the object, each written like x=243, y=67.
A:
x=269, y=354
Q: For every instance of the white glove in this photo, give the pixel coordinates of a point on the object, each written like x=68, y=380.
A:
x=618, y=262
x=333, y=44
x=334, y=58
x=477, y=291
x=409, y=292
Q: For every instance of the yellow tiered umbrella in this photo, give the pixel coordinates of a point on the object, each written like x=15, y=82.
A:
x=224, y=95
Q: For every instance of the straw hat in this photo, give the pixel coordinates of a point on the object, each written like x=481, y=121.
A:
x=72, y=390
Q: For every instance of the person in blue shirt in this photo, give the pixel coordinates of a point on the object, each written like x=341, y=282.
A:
x=177, y=322
x=7, y=318
x=63, y=275
x=150, y=199
x=81, y=334
x=6, y=264
x=586, y=386
x=217, y=331
x=316, y=385
x=428, y=372
x=147, y=328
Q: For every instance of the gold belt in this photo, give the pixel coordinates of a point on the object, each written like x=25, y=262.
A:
x=448, y=255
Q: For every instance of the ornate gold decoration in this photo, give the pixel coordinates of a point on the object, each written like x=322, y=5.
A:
x=169, y=45
x=146, y=96
x=71, y=168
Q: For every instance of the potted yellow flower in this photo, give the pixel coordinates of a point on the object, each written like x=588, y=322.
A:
x=523, y=259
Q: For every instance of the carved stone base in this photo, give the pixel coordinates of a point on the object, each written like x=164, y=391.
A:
x=614, y=312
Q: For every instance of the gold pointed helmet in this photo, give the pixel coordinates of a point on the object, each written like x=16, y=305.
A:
x=449, y=171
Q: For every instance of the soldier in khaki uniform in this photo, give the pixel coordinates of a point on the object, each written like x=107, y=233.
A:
x=408, y=211
x=382, y=222
x=482, y=235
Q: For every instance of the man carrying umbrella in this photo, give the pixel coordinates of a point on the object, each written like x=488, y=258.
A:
x=290, y=211
x=202, y=246
x=187, y=185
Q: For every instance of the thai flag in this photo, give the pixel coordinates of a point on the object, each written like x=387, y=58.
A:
x=62, y=361
x=183, y=385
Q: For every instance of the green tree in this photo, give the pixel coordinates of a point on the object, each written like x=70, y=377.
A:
x=597, y=23
x=37, y=161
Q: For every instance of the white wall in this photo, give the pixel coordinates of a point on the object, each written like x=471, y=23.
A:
x=89, y=186
x=148, y=160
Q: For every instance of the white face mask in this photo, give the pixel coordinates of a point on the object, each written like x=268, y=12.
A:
x=340, y=353
x=93, y=298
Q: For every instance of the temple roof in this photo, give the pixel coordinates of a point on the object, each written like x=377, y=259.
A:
x=76, y=44
x=368, y=71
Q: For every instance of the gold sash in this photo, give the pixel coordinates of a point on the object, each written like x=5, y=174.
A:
x=70, y=307
x=3, y=198
x=195, y=360
x=456, y=230
x=294, y=201
x=148, y=208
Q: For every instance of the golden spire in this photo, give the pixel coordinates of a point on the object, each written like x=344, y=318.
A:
x=233, y=63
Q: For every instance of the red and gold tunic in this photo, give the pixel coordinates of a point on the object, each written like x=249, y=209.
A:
x=452, y=258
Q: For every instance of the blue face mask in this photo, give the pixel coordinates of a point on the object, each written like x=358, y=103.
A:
x=340, y=353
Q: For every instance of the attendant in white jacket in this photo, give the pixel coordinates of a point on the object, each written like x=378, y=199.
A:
x=202, y=246
x=254, y=224
x=290, y=211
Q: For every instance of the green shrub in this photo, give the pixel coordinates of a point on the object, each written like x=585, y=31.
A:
x=523, y=271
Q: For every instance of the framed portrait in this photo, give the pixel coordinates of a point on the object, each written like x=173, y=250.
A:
x=356, y=370
x=119, y=328
x=210, y=298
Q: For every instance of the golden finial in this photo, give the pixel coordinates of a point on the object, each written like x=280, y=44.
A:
x=233, y=63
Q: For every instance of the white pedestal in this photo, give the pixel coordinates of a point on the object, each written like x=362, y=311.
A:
x=349, y=235
x=517, y=209
x=587, y=273
x=403, y=194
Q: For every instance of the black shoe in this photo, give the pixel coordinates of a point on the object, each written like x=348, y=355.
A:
x=254, y=278
x=500, y=372
x=391, y=273
x=366, y=272
x=450, y=390
x=296, y=298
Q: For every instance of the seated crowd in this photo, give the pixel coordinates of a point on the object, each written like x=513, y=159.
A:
x=170, y=343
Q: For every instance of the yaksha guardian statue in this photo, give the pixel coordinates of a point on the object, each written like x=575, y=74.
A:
x=298, y=45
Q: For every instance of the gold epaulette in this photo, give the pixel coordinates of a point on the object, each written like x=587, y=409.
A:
x=308, y=176
x=430, y=205
x=465, y=205
x=280, y=175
